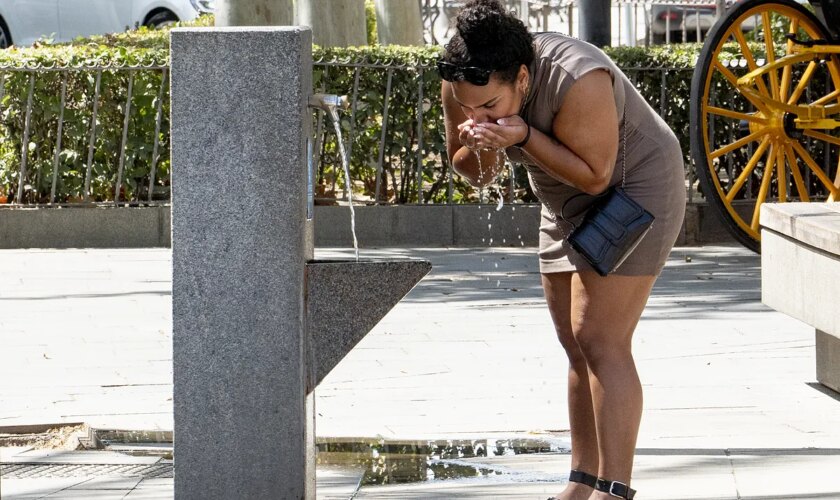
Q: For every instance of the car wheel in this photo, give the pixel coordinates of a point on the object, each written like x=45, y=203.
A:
x=5, y=36
x=162, y=19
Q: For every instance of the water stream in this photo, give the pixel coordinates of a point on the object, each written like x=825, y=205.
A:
x=345, y=162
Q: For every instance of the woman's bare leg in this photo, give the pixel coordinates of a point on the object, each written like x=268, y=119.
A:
x=557, y=287
x=604, y=315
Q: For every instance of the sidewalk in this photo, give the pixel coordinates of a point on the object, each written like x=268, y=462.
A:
x=731, y=405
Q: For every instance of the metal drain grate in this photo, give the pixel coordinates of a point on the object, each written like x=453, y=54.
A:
x=35, y=471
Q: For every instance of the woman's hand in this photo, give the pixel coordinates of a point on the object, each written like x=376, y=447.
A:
x=466, y=134
x=504, y=133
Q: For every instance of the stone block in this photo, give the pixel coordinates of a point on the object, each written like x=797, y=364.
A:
x=476, y=225
x=337, y=292
x=414, y=225
x=239, y=129
x=828, y=360
x=800, y=280
x=814, y=224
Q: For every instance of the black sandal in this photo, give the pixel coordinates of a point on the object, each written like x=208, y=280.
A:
x=615, y=489
x=578, y=476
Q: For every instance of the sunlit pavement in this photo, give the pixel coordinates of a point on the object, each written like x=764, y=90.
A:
x=731, y=405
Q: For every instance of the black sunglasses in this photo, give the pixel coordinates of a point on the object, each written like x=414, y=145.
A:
x=454, y=73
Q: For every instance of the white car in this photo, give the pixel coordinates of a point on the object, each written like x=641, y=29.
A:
x=22, y=22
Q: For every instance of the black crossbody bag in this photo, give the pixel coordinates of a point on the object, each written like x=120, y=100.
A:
x=612, y=228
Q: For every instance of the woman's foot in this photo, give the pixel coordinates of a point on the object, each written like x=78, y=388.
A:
x=575, y=491
x=581, y=484
x=607, y=490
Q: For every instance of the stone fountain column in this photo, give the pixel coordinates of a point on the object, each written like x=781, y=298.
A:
x=257, y=323
x=240, y=241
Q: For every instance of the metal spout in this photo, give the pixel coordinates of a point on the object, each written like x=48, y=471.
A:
x=329, y=102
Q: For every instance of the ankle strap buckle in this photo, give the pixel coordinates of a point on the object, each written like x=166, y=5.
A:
x=616, y=489
x=621, y=489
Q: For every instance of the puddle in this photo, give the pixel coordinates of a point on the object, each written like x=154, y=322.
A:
x=384, y=462
x=396, y=462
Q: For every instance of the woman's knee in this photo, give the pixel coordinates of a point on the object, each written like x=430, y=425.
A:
x=597, y=346
x=569, y=344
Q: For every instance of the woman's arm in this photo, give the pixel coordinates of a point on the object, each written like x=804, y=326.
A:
x=582, y=149
x=463, y=159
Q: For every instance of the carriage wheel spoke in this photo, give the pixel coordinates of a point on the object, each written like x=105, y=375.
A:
x=781, y=178
x=823, y=137
x=806, y=157
x=765, y=187
x=797, y=176
x=735, y=115
x=742, y=178
x=762, y=87
x=737, y=144
x=826, y=98
x=806, y=77
x=831, y=197
x=834, y=69
x=771, y=54
x=788, y=69
x=733, y=80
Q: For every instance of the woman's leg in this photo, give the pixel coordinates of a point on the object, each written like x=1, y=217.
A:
x=604, y=314
x=557, y=287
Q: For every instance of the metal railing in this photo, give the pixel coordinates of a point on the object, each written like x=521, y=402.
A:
x=17, y=128
x=388, y=156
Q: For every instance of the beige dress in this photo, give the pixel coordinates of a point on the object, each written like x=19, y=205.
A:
x=655, y=175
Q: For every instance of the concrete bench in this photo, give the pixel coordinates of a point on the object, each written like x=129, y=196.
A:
x=800, y=274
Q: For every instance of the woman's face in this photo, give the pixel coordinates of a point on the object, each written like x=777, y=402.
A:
x=488, y=103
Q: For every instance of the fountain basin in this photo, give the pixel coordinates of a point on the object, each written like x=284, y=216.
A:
x=345, y=299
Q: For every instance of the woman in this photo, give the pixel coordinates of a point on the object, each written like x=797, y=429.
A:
x=565, y=111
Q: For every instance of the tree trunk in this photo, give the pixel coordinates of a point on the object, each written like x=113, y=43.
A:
x=398, y=22
x=334, y=23
x=595, y=22
x=255, y=13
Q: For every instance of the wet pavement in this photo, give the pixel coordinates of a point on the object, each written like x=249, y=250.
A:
x=732, y=409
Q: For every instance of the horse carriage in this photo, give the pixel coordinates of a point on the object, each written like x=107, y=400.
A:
x=765, y=116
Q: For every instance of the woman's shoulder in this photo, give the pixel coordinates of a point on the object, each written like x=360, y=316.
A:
x=571, y=55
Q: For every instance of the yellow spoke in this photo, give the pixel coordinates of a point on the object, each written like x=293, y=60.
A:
x=750, y=59
x=827, y=98
x=735, y=115
x=788, y=69
x=765, y=187
x=834, y=69
x=806, y=77
x=742, y=178
x=781, y=181
x=831, y=197
x=771, y=54
x=786, y=77
x=815, y=168
x=737, y=144
x=727, y=74
x=733, y=80
x=797, y=177
x=823, y=137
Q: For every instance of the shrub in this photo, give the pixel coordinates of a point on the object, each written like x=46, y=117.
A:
x=336, y=71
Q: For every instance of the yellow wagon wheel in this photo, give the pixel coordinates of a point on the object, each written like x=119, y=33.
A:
x=765, y=111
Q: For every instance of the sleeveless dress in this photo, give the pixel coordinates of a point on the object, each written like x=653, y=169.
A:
x=655, y=176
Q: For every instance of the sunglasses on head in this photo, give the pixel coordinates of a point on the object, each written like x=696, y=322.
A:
x=454, y=73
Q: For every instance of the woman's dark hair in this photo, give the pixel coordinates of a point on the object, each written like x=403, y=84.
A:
x=489, y=36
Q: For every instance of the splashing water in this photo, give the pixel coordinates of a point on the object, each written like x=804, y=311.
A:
x=345, y=163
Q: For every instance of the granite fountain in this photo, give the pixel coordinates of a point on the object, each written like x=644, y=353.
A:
x=257, y=322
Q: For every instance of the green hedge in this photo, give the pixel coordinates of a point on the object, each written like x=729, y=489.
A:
x=334, y=72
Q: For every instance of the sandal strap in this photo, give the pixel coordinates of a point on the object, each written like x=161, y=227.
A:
x=615, y=488
x=578, y=476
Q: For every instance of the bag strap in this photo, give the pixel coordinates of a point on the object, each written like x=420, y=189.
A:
x=623, y=179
